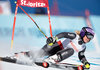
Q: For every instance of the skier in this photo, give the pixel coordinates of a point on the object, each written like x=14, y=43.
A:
x=73, y=42
x=57, y=50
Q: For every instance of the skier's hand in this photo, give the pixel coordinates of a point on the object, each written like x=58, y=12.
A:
x=51, y=40
x=86, y=65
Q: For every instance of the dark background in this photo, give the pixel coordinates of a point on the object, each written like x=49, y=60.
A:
x=64, y=7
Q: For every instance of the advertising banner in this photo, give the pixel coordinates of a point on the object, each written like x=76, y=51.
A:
x=33, y=3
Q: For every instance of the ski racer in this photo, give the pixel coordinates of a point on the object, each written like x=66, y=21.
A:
x=57, y=50
x=73, y=42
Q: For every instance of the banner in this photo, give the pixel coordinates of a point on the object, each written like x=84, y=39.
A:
x=33, y=3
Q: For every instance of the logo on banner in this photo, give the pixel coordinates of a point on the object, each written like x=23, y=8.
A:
x=31, y=4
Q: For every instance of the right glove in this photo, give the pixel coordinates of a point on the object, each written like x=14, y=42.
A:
x=51, y=40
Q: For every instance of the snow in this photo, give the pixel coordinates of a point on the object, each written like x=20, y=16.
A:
x=92, y=57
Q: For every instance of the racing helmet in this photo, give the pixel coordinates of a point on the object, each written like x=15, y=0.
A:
x=89, y=32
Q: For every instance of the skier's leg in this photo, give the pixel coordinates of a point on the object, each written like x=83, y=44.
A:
x=63, y=54
x=47, y=51
x=51, y=50
x=60, y=55
x=43, y=51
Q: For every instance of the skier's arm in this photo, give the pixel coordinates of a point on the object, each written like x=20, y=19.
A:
x=83, y=59
x=82, y=56
x=66, y=35
x=52, y=40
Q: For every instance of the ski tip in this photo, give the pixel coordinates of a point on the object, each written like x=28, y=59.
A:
x=45, y=64
x=80, y=67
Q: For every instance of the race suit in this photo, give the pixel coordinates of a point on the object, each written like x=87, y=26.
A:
x=63, y=48
x=66, y=48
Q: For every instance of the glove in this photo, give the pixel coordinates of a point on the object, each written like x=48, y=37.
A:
x=86, y=65
x=51, y=40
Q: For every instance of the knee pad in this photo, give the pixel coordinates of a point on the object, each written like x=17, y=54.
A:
x=65, y=53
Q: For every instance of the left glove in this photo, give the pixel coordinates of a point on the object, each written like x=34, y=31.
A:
x=86, y=65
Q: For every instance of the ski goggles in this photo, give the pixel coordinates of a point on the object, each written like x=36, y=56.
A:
x=89, y=36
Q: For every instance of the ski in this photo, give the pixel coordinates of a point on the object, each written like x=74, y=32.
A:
x=43, y=64
x=13, y=59
x=8, y=59
x=61, y=65
x=66, y=66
